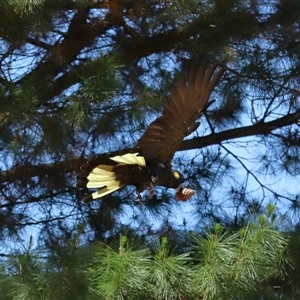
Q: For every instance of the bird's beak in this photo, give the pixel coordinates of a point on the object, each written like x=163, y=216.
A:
x=181, y=187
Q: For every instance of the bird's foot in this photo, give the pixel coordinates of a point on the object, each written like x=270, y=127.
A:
x=153, y=179
x=151, y=190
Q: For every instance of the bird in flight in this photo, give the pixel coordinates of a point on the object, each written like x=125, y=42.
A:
x=149, y=163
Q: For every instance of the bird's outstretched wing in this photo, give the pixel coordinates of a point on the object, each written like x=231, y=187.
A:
x=185, y=105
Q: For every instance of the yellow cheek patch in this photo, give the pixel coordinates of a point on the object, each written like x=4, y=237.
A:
x=176, y=175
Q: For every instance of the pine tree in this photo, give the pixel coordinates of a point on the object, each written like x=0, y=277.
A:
x=85, y=77
x=247, y=264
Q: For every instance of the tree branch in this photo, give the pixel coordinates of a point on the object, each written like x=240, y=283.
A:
x=135, y=48
x=28, y=171
x=260, y=128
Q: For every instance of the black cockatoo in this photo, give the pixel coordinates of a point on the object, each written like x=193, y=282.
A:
x=148, y=164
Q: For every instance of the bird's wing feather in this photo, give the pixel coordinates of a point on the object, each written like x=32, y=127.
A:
x=184, y=106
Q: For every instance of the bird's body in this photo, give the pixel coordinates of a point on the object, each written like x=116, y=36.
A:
x=127, y=167
x=149, y=162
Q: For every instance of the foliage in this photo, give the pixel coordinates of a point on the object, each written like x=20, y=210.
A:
x=83, y=77
x=216, y=265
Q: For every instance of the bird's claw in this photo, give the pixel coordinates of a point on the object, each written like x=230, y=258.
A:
x=150, y=189
x=153, y=179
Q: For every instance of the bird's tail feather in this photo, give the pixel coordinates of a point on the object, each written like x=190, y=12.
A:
x=102, y=176
x=104, y=179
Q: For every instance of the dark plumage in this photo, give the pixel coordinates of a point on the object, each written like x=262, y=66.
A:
x=149, y=162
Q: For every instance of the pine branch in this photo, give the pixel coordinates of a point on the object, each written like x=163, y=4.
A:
x=23, y=172
x=27, y=171
x=82, y=34
x=260, y=128
x=79, y=36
